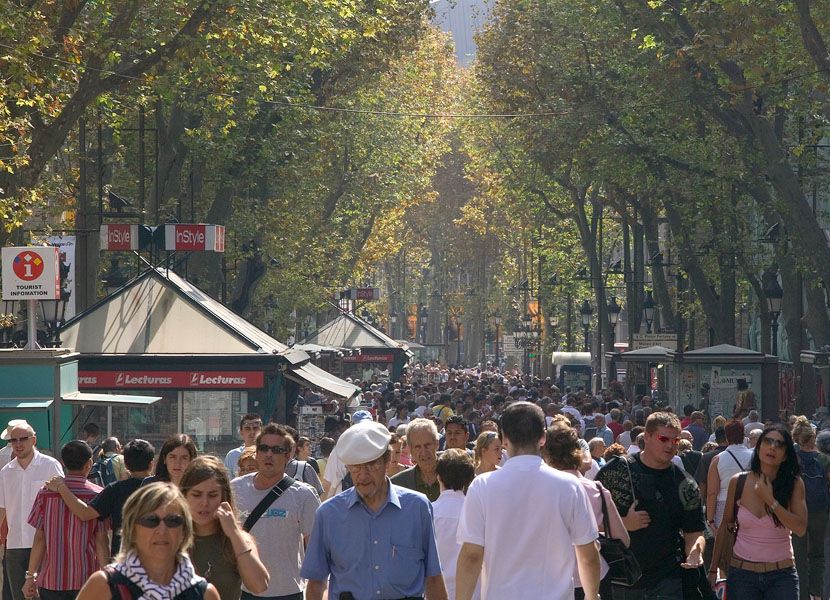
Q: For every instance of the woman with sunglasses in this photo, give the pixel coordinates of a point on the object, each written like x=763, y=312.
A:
x=770, y=508
x=176, y=453
x=222, y=552
x=153, y=562
x=487, y=452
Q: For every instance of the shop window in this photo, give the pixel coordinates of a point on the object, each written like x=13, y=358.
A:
x=154, y=423
x=211, y=418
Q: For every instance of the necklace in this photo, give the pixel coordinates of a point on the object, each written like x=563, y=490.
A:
x=213, y=557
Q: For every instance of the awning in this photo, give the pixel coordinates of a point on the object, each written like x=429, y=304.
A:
x=24, y=403
x=109, y=399
x=314, y=376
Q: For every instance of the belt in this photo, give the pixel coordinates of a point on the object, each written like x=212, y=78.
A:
x=761, y=567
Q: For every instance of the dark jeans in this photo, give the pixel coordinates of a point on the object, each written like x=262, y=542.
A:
x=809, y=554
x=665, y=589
x=53, y=595
x=17, y=562
x=774, y=585
x=7, y=592
x=249, y=596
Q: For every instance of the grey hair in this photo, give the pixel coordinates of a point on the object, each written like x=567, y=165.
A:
x=421, y=424
x=823, y=442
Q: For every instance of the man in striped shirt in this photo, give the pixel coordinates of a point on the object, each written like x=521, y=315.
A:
x=60, y=535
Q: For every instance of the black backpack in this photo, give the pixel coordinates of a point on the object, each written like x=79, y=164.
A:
x=814, y=475
x=103, y=471
x=122, y=588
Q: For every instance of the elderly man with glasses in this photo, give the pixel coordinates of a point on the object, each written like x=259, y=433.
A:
x=376, y=539
x=278, y=511
x=20, y=481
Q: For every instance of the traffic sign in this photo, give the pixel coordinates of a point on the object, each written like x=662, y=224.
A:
x=647, y=340
x=31, y=273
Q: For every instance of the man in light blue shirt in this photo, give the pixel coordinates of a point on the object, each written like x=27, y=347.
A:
x=376, y=539
x=249, y=428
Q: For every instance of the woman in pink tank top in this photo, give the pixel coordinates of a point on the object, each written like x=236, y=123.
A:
x=771, y=507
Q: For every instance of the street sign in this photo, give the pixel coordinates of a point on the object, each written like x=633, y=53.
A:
x=31, y=273
x=194, y=237
x=646, y=340
x=119, y=237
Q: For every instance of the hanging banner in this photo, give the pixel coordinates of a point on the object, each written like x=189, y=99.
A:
x=66, y=245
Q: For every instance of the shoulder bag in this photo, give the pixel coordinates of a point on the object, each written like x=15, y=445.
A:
x=623, y=566
x=271, y=497
x=730, y=532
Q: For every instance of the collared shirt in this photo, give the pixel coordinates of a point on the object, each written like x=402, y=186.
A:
x=385, y=554
x=70, y=558
x=501, y=513
x=232, y=460
x=411, y=479
x=18, y=489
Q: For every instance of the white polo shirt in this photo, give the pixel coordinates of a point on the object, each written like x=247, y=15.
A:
x=528, y=549
x=18, y=488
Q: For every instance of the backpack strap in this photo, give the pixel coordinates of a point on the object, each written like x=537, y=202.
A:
x=121, y=588
x=739, y=490
x=271, y=497
x=737, y=462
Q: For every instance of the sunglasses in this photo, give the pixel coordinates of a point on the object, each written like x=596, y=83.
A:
x=275, y=449
x=18, y=440
x=664, y=439
x=773, y=442
x=153, y=521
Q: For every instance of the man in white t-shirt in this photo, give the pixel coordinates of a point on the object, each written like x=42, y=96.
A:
x=283, y=529
x=249, y=427
x=20, y=481
x=504, y=534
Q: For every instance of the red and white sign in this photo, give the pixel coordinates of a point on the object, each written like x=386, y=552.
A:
x=119, y=236
x=31, y=273
x=194, y=237
x=188, y=380
x=369, y=358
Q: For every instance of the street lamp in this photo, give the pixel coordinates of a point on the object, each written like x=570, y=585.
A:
x=586, y=310
x=648, y=310
x=775, y=295
x=497, y=324
x=614, y=310
x=393, y=319
x=115, y=278
x=424, y=313
x=54, y=312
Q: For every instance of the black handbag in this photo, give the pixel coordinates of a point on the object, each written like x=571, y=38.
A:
x=623, y=567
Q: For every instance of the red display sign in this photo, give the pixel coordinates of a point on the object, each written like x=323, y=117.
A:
x=194, y=237
x=119, y=237
x=154, y=380
x=370, y=358
x=28, y=265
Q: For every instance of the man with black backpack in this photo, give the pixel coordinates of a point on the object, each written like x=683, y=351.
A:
x=109, y=467
x=808, y=549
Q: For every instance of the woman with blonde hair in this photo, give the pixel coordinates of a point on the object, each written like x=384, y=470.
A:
x=156, y=532
x=222, y=553
x=247, y=462
x=487, y=452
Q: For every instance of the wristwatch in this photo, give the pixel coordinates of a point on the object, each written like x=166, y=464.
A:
x=30, y=575
x=774, y=505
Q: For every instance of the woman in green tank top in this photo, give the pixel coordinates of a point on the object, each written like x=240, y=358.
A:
x=222, y=552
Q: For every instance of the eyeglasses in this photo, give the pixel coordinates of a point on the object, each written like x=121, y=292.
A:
x=19, y=440
x=275, y=449
x=773, y=442
x=153, y=521
x=664, y=439
x=372, y=467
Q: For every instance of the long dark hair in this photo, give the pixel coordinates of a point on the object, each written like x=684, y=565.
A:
x=176, y=441
x=788, y=471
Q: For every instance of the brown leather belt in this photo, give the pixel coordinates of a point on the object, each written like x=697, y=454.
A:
x=761, y=567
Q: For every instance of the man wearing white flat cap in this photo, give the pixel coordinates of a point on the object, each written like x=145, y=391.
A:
x=374, y=540
x=20, y=481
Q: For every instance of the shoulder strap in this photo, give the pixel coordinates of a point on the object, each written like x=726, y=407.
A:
x=121, y=588
x=737, y=462
x=606, y=525
x=269, y=499
x=739, y=490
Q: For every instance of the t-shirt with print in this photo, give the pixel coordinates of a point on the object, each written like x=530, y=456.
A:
x=279, y=530
x=672, y=499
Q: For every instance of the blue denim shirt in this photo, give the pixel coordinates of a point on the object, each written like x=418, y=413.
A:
x=380, y=555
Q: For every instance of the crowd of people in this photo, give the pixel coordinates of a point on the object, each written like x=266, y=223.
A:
x=461, y=484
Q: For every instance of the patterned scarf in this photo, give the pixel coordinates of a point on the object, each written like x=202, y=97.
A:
x=185, y=577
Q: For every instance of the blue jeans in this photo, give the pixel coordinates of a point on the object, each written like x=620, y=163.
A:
x=665, y=589
x=773, y=585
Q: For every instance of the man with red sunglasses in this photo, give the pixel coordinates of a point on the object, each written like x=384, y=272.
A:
x=658, y=501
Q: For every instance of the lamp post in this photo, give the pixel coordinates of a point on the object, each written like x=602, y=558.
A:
x=424, y=313
x=648, y=310
x=586, y=310
x=613, y=310
x=497, y=323
x=54, y=312
x=393, y=320
x=775, y=295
